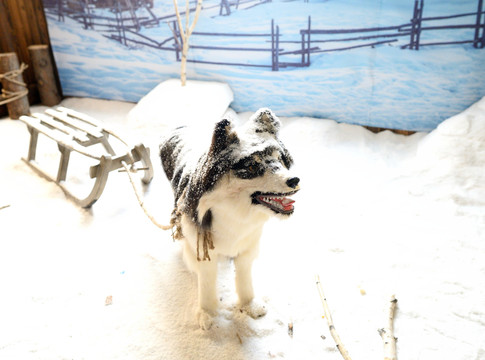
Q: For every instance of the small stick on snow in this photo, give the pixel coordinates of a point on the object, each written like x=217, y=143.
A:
x=333, y=332
x=387, y=334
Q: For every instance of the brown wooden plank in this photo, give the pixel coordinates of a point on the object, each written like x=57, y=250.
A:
x=41, y=22
x=18, y=18
x=7, y=40
x=23, y=23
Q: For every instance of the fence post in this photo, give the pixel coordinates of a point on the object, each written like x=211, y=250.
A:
x=121, y=25
x=178, y=39
x=275, y=46
x=416, y=25
x=478, y=42
x=420, y=19
x=309, y=41
x=89, y=21
x=413, y=26
x=60, y=15
x=225, y=5
x=272, y=46
x=118, y=27
x=85, y=22
x=277, y=50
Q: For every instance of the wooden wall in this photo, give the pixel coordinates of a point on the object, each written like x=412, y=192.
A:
x=23, y=23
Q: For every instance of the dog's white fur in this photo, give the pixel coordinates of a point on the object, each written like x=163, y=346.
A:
x=237, y=228
x=236, y=223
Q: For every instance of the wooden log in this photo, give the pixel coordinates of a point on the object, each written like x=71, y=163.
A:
x=44, y=74
x=13, y=84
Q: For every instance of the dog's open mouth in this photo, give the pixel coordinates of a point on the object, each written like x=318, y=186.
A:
x=279, y=203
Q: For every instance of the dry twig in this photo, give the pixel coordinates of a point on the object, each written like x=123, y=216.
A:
x=387, y=334
x=333, y=331
x=185, y=34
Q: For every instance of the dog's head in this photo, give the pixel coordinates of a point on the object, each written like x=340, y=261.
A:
x=261, y=166
x=248, y=164
x=253, y=164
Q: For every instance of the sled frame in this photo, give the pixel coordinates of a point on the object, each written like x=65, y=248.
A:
x=75, y=131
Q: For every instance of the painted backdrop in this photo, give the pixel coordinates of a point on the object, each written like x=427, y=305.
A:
x=401, y=64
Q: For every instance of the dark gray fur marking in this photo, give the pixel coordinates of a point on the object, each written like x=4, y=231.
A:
x=190, y=184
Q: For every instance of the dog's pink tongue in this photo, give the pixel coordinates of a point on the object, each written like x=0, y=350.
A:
x=286, y=203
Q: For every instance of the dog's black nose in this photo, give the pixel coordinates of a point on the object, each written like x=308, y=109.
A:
x=292, y=182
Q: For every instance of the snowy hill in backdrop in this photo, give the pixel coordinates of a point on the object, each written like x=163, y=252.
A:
x=384, y=85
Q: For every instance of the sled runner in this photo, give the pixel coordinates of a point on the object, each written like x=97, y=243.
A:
x=75, y=131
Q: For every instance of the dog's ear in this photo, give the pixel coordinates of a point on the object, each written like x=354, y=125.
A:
x=223, y=136
x=266, y=122
x=211, y=167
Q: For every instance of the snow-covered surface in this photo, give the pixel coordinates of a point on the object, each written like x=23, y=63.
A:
x=381, y=86
x=170, y=97
x=378, y=214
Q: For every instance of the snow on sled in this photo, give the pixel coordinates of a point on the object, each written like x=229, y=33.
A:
x=78, y=133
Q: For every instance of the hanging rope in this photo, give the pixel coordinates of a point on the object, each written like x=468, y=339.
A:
x=207, y=244
x=9, y=96
x=140, y=200
x=204, y=235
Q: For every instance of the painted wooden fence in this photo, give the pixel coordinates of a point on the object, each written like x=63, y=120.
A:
x=225, y=5
x=272, y=36
x=124, y=26
x=315, y=41
x=420, y=24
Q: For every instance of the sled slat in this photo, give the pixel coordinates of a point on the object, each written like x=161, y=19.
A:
x=78, y=136
x=62, y=139
x=89, y=129
x=76, y=114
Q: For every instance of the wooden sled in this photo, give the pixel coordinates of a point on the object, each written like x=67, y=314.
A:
x=75, y=131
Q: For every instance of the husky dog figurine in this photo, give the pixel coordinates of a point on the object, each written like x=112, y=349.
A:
x=223, y=196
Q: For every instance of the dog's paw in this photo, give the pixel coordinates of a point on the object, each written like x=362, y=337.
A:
x=255, y=309
x=205, y=319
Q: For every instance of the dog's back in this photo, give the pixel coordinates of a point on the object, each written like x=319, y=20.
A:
x=225, y=190
x=170, y=149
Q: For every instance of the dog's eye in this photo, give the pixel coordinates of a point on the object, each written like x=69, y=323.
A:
x=247, y=168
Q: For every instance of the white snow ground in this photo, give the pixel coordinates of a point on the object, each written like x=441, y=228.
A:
x=378, y=214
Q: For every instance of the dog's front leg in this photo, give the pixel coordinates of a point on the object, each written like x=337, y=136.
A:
x=244, y=285
x=207, y=282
